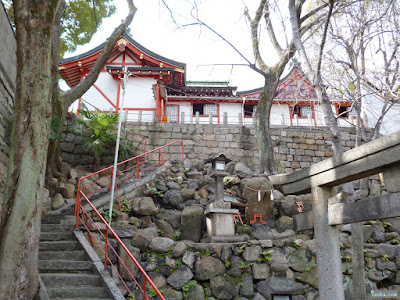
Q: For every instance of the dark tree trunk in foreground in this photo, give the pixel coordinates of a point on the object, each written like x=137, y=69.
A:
x=21, y=209
x=20, y=216
x=57, y=105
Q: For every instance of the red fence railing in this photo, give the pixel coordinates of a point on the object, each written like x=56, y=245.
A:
x=93, y=184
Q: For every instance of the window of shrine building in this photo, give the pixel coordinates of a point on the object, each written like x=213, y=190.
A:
x=205, y=109
x=249, y=109
x=302, y=111
x=346, y=111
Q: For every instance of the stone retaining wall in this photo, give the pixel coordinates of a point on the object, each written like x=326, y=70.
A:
x=8, y=69
x=295, y=147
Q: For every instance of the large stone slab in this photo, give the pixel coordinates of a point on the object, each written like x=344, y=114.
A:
x=257, y=193
x=386, y=206
x=192, y=223
x=303, y=221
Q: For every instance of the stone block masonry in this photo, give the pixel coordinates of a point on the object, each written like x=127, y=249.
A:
x=295, y=147
x=8, y=71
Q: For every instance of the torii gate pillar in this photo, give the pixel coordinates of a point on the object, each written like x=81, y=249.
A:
x=328, y=248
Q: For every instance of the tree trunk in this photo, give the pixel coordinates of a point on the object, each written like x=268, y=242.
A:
x=330, y=119
x=57, y=105
x=266, y=164
x=20, y=216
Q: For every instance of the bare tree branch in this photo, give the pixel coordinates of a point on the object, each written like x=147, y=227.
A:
x=71, y=95
x=254, y=24
x=271, y=32
x=201, y=23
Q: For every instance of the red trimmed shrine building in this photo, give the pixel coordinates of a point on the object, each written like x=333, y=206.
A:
x=157, y=90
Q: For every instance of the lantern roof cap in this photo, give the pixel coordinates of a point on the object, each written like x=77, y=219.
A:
x=218, y=157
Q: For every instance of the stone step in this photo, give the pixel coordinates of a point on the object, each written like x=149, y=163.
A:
x=57, y=236
x=75, y=255
x=68, y=279
x=55, y=228
x=59, y=245
x=58, y=266
x=52, y=220
x=78, y=292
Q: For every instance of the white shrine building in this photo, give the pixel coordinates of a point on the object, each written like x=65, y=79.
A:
x=158, y=90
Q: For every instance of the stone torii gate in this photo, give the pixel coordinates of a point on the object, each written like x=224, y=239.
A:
x=379, y=156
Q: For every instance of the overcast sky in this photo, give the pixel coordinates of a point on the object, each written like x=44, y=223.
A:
x=201, y=50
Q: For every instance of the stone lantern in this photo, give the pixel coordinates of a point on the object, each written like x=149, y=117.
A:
x=219, y=214
x=218, y=173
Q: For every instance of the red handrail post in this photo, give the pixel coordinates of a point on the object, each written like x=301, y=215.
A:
x=159, y=157
x=77, y=205
x=144, y=288
x=137, y=168
x=105, y=250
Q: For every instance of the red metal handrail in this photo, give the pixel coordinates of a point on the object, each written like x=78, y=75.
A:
x=107, y=260
x=126, y=170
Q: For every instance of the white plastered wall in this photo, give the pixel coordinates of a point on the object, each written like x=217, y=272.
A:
x=108, y=87
x=232, y=110
x=371, y=108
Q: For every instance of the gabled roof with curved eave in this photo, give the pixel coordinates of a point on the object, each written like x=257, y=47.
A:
x=295, y=74
x=73, y=68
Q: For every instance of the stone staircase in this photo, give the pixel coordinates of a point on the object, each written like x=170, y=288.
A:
x=66, y=269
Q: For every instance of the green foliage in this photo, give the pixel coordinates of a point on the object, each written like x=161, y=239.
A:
x=227, y=264
x=241, y=248
x=205, y=253
x=370, y=240
x=276, y=211
x=125, y=207
x=106, y=216
x=157, y=269
x=153, y=191
x=296, y=245
x=160, y=232
x=265, y=256
x=176, y=236
x=130, y=297
x=237, y=280
x=386, y=224
x=100, y=126
x=385, y=257
x=100, y=133
x=186, y=287
x=178, y=263
x=312, y=265
x=151, y=293
x=80, y=20
x=244, y=266
x=394, y=241
x=346, y=258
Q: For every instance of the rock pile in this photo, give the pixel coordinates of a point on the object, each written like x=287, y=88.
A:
x=163, y=225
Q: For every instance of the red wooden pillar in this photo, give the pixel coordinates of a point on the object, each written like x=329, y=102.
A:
x=158, y=102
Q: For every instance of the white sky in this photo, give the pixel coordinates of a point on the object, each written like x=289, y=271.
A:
x=153, y=28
